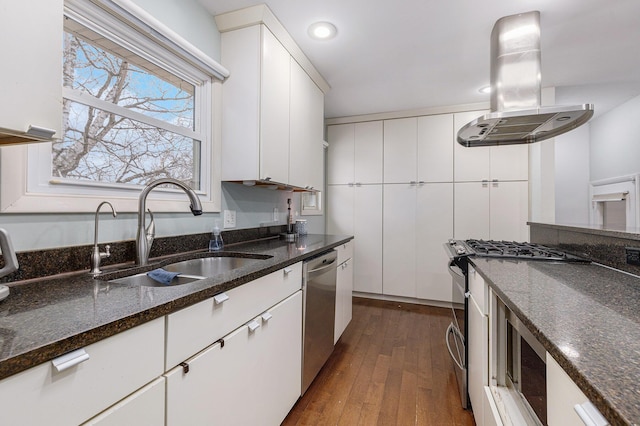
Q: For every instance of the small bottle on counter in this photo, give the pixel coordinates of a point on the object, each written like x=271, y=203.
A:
x=216, y=243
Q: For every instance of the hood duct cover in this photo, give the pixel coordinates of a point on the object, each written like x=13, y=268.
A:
x=516, y=115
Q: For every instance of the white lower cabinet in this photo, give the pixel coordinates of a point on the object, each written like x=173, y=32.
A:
x=418, y=219
x=492, y=210
x=144, y=407
x=344, y=289
x=252, y=376
x=562, y=397
x=478, y=362
x=115, y=367
x=357, y=210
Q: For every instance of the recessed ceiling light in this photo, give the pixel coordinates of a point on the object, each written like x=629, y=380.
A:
x=322, y=31
x=485, y=89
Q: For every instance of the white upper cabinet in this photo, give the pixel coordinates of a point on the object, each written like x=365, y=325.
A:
x=272, y=110
x=507, y=162
x=400, y=146
x=305, y=130
x=355, y=153
x=31, y=72
x=435, y=149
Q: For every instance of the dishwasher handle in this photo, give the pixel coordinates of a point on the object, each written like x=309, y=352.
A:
x=319, y=271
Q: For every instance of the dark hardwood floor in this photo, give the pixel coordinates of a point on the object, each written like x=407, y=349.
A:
x=390, y=367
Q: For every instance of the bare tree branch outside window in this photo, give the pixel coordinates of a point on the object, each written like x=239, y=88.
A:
x=126, y=147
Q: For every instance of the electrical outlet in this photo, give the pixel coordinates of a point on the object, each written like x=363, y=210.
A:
x=229, y=218
x=633, y=255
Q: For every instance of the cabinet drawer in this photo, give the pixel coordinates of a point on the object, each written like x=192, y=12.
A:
x=116, y=367
x=345, y=251
x=143, y=407
x=194, y=328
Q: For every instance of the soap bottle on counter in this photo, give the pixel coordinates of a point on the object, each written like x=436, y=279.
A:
x=216, y=243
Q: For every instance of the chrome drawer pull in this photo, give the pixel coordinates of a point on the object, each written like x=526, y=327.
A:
x=69, y=360
x=220, y=298
x=253, y=326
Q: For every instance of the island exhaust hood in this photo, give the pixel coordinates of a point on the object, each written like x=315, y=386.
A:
x=516, y=115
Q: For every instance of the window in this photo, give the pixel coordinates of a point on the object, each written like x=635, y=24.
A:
x=136, y=107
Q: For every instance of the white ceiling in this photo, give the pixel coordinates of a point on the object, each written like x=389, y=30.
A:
x=406, y=54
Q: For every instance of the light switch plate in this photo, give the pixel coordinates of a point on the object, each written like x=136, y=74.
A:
x=229, y=219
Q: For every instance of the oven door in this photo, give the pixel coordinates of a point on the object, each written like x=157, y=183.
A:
x=456, y=332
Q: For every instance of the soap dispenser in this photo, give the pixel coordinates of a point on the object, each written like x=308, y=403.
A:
x=216, y=243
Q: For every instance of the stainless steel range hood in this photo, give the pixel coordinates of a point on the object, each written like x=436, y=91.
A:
x=517, y=116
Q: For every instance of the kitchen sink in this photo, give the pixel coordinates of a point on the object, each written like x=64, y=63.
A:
x=205, y=266
x=211, y=266
x=144, y=280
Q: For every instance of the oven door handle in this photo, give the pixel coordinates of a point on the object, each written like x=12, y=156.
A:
x=456, y=334
x=455, y=271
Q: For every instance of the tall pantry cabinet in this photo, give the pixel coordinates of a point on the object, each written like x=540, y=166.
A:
x=417, y=206
x=404, y=187
x=354, y=197
x=491, y=189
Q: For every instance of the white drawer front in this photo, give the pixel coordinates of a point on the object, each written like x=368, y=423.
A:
x=345, y=251
x=194, y=328
x=117, y=366
x=144, y=407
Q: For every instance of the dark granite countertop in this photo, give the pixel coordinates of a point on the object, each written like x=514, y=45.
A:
x=587, y=316
x=41, y=320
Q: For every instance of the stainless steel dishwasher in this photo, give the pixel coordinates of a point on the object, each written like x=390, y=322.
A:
x=319, y=313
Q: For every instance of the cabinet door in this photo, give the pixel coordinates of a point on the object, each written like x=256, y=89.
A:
x=471, y=210
x=274, y=109
x=143, y=407
x=491, y=415
x=306, y=130
x=562, y=395
x=509, y=162
x=340, y=209
x=253, y=379
x=435, y=149
x=368, y=151
x=344, y=289
x=470, y=164
x=340, y=155
x=31, y=89
x=400, y=145
x=367, y=249
x=399, y=237
x=434, y=226
x=509, y=211
x=478, y=362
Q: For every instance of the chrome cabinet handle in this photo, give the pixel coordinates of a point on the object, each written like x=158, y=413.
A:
x=69, y=360
x=456, y=333
x=287, y=271
x=253, y=326
x=220, y=298
x=266, y=316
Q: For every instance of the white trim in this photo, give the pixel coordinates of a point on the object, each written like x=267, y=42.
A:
x=133, y=14
x=623, y=188
x=20, y=192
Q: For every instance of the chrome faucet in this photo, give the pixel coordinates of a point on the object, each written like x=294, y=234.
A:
x=97, y=255
x=144, y=237
x=8, y=254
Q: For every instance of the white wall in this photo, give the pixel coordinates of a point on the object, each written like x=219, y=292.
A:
x=615, y=142
x=572, y=176
x=189, y=19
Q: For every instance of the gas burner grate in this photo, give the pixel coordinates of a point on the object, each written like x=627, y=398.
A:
x=513, y=249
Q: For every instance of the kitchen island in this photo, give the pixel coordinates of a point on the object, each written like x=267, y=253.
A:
x=587, y=317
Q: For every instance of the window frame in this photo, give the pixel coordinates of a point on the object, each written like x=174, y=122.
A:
x=27, y=185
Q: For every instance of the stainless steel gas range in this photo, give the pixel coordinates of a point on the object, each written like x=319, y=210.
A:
x=459, y=252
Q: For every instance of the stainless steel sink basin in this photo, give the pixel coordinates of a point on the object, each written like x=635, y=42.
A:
x=144, y=280
x=210, y=266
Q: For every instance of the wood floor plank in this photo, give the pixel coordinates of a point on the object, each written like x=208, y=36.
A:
x=390, y=367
